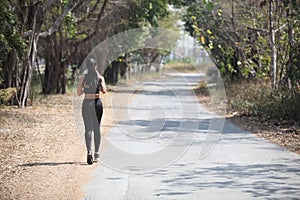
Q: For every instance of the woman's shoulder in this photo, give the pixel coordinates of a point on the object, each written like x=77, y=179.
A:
x=85, y=72
x=99, y=76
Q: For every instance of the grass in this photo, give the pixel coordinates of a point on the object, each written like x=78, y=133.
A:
x=186, y=67
x=256, y=98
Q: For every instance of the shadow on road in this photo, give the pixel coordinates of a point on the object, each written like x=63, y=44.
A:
x=51, y=164
x=259, y=180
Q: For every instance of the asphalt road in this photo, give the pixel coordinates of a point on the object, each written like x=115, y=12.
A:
x=157, y=148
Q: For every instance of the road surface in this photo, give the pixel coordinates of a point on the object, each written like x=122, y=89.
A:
x=153, y=152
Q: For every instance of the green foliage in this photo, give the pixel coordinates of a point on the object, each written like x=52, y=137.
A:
x=148, y=13
x=237, y=37
x=69, y=27
x=10, y=38
x=209, y=4
x=7, y=94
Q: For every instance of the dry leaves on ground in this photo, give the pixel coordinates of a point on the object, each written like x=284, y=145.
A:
x=42, y=155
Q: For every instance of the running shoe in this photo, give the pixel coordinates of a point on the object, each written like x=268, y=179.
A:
x=96, y=157
x=90, y=158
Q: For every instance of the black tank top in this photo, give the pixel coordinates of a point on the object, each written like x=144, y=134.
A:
x=91, y=84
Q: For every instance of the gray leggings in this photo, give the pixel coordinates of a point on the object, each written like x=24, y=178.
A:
x=92, y=111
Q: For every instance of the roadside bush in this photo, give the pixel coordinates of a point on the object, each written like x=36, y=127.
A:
x=281, y=104
x=258, y=99
x=6, y=95
x=202, y=89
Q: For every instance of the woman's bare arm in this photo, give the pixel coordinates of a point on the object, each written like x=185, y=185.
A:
x=102, y=84
x=80, y=86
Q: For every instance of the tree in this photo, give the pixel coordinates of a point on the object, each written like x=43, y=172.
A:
x=249, y=39
x=12, y=48
x=29, y=26
x=84, y=27
x=145, y=13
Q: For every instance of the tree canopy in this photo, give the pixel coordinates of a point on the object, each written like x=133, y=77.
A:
x=62, y=33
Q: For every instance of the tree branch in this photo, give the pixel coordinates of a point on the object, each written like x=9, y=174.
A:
x=99, y=17
x=46, y=6
x=93, y=9
x=280, y=28
x=258, y=29
x=71, y=5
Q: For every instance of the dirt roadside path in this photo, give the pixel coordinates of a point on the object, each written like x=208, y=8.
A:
x=42, y=155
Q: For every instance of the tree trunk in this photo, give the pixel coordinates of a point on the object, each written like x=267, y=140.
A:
x=11, y=74
x=115, y=72
x=273, y=46
x=111, y=73
x=63, y=79
x=123, y=66
x=55, y=80
x=27, y=73
x=289, y=65
x=62, y=63
x=26, y=78
x=49, y=84
x=10, y=70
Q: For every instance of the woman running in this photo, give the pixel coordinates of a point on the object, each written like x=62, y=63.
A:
x=91, y=83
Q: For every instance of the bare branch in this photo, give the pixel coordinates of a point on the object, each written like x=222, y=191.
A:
x=280, y=28
x=71, y=5
x=95, y=30
x=102, y=11
x=257, y=29
x=93, y=9
x=115, y=2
